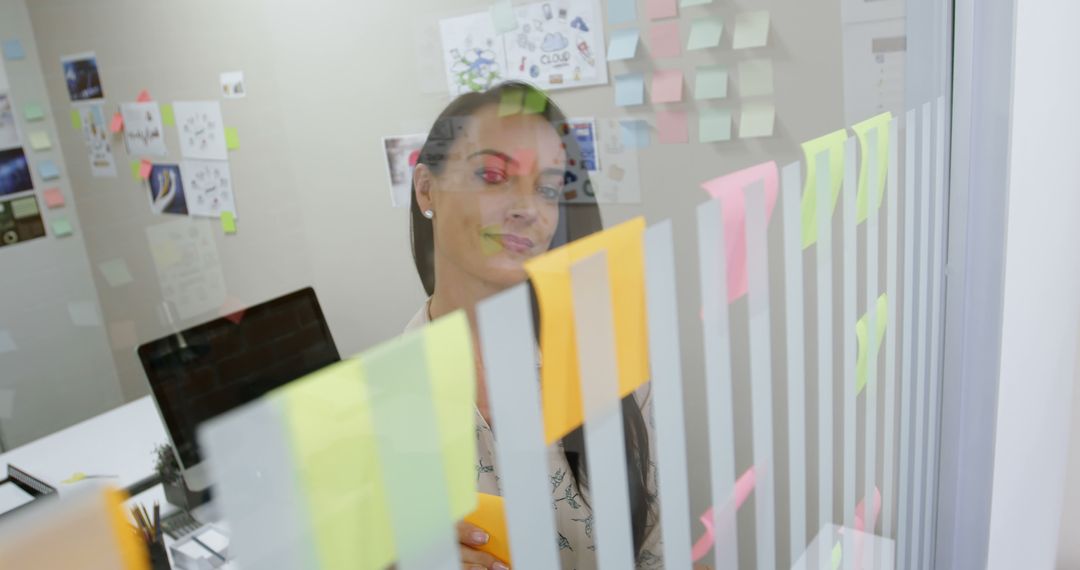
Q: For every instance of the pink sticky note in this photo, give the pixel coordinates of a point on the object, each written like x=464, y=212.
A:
x=729, y=190
x=664, y=40
x=54, y=198
x=860, y=509
x=672, y=127
x=144, y=169
x=743, y=486
x=144, y=96
x=117, y=123
x=667, y=86
x=658, y=9
x=524, y=161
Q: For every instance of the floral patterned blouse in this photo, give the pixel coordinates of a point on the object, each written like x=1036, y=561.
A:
x=573, y=518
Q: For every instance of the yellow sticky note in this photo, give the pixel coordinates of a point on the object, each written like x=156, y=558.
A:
x=833, y=143
x=490, y=515
x=228, y=222
x=328, y=417
x=76, y=120
x=168, y=118
x=39, y=140
x=882, y=320
x=550, y=275
x=451, y=368
x=232, y=138
x=880, y=125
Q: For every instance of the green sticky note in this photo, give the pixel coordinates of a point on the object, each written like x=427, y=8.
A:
x=232, y=138
x=167, y=117
x=705, y=33
x=76, y=120
x=502, y=15
x=228, y=222
x=757, y=120
x=712, y=82
x=33, y=112
x=714, y=125
x=879, y=125
x=61, y=227
x=837, y=556
x=880, y=323
x=755, y=77
x=832, y=143
x=510, y=101
x=135, y=167
x=453, y=389
x=328, y=418
x=535, y=101
x=685, y=3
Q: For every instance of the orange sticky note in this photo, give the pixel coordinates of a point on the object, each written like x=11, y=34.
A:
x=550, y=275
x=144, y=96
x=54, y=198
x=490, y=516
x=117, y=123
x=144, y=169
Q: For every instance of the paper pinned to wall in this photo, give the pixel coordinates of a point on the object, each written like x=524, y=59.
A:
x=711, y=83
x=201, y=129
x=232, y=85
x=729, y=189
x=755, y=77
x=623, y=44
x=705, y=33
x=881, y=321
x=402, y=153
x=758, y=119
x=878, y=125
x=550, y=274
x=208, y=188
x=664, y=40
x=667, y=86
x=660, y=9
x=714, y=125
x=629, y=89
x=188, y=266
x=143, y=132
x=96, y=137
x=832, y=143
x=751, y=30
x=673, y=127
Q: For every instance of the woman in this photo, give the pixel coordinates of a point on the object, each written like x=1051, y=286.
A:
x=487, y=196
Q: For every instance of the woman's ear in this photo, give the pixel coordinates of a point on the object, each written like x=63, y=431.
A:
x=423, y=183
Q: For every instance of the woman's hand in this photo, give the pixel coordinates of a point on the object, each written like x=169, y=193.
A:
x=470, y=537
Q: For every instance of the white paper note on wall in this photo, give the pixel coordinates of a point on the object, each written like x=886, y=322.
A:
x=188, y=266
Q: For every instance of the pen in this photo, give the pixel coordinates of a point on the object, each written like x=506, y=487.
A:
x=212, y=551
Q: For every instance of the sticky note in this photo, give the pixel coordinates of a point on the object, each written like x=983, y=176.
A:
x=39, y=140
x=863, y=130
x=757, y=120
x=623, y=44
x=751, y=30
x=228, y=222
x=672, y=126
x=61, y=227
x=135, y=167
x=685, y=3
x=144, y=97
x=502, y=14
x=76, y=120
x=832, y=143
x=117, y=123
x=84, y=314
x=714, y=125
x=550, y=274
x=881, y=321
x=48, y=170
x=730, y=190
x=705, y=33
x=837, y=556
x=660, y=9
x=755, y=77
x=621, y=11
x=7, y=342
x=711, y=82
x=33, y=112
x=116, y=272
x=535, y=101
x=629, y=89
x=664, y=40
x=13, y=50
x=634, y=133
x=667, y=86
x=54, y=198
x=511, y=101
x=168, y=117
x=232, y=138
x=145, y=166
x=490, y=515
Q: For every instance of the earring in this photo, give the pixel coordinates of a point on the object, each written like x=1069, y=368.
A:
x=429, y=214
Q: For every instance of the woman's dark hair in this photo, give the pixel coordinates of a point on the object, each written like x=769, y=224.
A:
x=576, y=220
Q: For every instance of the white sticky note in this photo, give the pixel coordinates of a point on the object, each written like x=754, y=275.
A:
x=755, y=77
x=751, y=30
x=116, y=272
x=7, y=343
x=84, y=314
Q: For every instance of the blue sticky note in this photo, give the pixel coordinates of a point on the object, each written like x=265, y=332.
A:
x=623, y=44
x=621, y=11
x=13, y=49
x=629, y=89
x=47, y=170
x=635, y=133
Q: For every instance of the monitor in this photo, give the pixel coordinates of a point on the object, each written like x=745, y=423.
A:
x=209, y=369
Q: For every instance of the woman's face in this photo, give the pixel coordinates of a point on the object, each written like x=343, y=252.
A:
x=496, y=201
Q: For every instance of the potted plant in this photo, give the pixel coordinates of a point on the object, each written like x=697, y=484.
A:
x=172, y=479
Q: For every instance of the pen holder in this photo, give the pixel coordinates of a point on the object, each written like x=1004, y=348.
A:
x=159, y=558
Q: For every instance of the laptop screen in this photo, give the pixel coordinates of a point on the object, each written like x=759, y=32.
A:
x=211, y=368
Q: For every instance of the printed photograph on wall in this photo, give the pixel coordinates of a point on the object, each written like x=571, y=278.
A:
x=402, y=152
x=20, y=220
x=208, y=188
x=9, y=131
x=82, y=78
x=473, y=52
x=167, y=190
x=142, y=129
x=96, y=137
x=14, y=172
x=232, y=85
x=584, y=130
